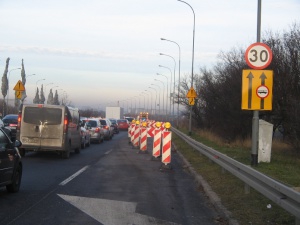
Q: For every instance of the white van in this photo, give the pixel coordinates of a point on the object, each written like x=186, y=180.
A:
x=49, y=128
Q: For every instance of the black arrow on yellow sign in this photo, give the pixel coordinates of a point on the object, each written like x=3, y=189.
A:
x=250, y=77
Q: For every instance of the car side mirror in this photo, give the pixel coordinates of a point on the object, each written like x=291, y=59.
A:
x=17, y=143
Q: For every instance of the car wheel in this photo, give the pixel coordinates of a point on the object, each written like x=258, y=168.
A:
x=77, y=150
x=15, y=185
x=83, y=144
x=66, y=153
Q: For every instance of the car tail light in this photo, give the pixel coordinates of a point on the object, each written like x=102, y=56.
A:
x=66, y=123
x=105, y=127
x=97, y=130
x=19, y=121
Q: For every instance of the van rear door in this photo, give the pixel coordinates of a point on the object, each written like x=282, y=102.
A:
x=42, y=127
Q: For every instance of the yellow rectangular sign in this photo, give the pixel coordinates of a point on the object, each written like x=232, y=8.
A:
x=18, y=94
x=257, y=88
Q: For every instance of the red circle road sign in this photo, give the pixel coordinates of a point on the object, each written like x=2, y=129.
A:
x=262, y=91
x=258, y=56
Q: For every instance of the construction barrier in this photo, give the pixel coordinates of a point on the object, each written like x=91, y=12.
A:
x=132, y=129
x=143, y=139
x=136, y=136
x=167, y=144
x=157, y=140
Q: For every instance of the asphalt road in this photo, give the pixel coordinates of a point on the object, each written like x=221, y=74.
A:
x=110, y=183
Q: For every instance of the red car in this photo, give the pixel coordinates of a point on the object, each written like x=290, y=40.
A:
x=123, y=124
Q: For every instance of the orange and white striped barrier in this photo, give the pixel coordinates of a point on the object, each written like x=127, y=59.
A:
x=132, y=129
x=136, y=136
x=143, y=140
x=166, y=148
x=157, y=141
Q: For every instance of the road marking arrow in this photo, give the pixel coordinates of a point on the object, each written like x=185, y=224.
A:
x=111, y=212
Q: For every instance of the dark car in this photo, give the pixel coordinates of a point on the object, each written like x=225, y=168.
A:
x=115, y=124
x=10, y=163
x=10, y=122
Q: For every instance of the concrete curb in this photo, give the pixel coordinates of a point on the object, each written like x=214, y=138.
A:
x=213, y=197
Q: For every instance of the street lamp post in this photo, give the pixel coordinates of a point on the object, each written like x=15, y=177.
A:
x=163, y=93
x=170, y=84
x=147, y=100
x=39, y=81
x=155, y=99
x=150, y=100
x=167, y=90
x=163, y=39
x=158, y=98
x=142, y=94
x=190, y=122
x=173, y=81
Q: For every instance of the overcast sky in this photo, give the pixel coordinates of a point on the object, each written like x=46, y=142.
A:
x=101, y=52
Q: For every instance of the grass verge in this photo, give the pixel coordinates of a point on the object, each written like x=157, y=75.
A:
x=252, y=208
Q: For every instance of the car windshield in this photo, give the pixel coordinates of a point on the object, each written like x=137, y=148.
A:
x=91, y=123
x=122, y=121
x=129, y=119
x=103, y=122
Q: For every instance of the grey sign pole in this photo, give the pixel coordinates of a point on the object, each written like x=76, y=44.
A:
x=255, y=120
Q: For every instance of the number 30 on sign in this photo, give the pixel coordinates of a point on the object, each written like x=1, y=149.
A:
x=258, y=56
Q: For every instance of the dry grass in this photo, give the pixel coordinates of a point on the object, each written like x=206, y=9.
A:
x=246, y=208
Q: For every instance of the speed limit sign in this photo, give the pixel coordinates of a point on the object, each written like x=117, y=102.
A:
x=258, y=56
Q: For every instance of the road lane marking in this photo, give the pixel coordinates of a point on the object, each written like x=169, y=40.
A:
x=73, y=176
x=112, y=212
x=106, y=153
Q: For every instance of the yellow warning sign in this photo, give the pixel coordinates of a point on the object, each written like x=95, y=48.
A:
x=191, y=93
x=257, y=88
x=191, y=101
x=19, y=86
x=18, y=94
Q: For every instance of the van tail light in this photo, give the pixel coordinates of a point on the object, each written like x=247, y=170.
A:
x=97, y=130
x=66, y=123
x=19, y=121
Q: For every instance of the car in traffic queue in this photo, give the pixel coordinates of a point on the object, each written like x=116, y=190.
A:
x=10, y=122
x=115, y=124
x=108, y=129
x=51, y=128
x=123, y=124
x=11, y=166
x=85, y=135
x=129, y=119
x=93, y=125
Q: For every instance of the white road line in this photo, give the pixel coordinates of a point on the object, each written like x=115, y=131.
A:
x=106, y=153
x=73, y=176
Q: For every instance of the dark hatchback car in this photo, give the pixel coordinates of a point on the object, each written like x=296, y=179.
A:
x=10, y=122
x=10, y=163
x=115, y=124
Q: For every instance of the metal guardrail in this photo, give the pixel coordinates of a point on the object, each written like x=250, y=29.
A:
x=282, y=195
